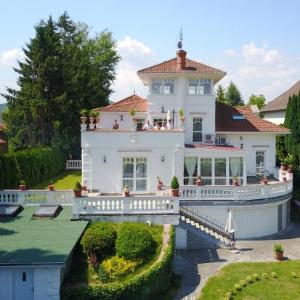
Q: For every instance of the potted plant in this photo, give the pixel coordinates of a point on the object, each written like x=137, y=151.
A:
x=84, y=113
x=181, y=116
x=77, y=189
x=132, y=113
x=51, y=186
x=174, y=187
x=235, y=181
x=265, y=180
x=22, y=185
x=284, y=178
x=126, y=191
x=289, y=162
x=94, y=118
x=278, y=250
x=159, y=183
x=198, y=181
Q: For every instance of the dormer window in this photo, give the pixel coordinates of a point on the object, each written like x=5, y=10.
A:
x=199, y=87
x=165, y=86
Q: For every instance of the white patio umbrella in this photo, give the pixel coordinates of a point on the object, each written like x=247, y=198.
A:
x=230, y=226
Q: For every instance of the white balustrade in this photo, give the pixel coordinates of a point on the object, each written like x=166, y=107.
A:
x=36, y=197
x=245, y=192
x=126, y=205
x=73, y=164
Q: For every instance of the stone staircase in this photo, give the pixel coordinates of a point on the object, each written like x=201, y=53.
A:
x=204, y=228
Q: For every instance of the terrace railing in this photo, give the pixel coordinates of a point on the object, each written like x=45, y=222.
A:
x=73, y=164
x=126, y=205
x=236, y=193
x=36, y=197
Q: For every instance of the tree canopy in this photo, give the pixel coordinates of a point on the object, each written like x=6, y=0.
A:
x=292, y=121
x=64, y=71
x=221, y=94
x=233, y=95
x=258, y=100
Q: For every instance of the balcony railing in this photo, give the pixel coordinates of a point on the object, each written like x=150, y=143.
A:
x=118, y=205
x=73, y=164
x=236, y=193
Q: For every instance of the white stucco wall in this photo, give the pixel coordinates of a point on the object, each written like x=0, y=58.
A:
x=253, y=142
x=276, y=117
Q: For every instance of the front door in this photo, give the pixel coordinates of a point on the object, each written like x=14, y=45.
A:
x=260, y=162
x=23, y=279
x=135, y=173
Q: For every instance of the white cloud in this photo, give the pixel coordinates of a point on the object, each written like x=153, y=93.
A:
x=230, y=52
x=10, y=57
x=261, y=70
x=134, y=56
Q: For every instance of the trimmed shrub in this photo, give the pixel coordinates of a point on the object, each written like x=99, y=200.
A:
x=99, y=239
x=134, y=242
x=116, y=267
x=140, y=287
x=174, y=183
x=32, y=165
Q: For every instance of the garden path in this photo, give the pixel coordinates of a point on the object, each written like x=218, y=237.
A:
x=196, y=266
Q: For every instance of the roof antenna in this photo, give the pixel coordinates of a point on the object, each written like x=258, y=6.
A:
x=134, y=92
x=180, y=38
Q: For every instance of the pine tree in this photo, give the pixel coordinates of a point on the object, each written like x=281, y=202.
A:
x=292, y=121
x=64, y=71
x=221, y=94
x=259, y=101
x=233, y=95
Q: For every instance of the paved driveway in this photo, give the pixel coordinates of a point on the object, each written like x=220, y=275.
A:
x=196, y=266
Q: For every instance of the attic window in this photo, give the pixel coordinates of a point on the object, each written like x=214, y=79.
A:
x=238, y=117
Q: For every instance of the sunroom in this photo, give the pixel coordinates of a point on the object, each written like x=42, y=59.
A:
x=214, y=165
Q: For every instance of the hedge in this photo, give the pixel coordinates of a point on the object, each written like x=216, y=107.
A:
x=134, y=242
x=32, y=165
x=140, y=287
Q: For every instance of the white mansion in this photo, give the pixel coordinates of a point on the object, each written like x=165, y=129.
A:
x=180, y=130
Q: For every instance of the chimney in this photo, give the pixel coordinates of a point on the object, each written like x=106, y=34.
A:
x=180, y=63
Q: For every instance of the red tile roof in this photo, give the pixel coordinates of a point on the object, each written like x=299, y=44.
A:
x=2, y=142
x=250, y=123
x=132, y=102
x=191, y=66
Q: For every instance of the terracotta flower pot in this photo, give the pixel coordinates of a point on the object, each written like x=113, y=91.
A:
x=279, y=255
x=284, y=179
x=51, y=187
x=126, y=193
x=22, y=187
x=283, y=167
x=77, y=193
x=265, y=181
x=174, y=192
x=198, y=182
x=235, y=182
x=182, y=119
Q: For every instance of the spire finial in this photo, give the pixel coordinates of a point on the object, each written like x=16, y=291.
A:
x=180, y=38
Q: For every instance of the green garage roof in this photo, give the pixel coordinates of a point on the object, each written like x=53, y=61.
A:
x=24, y=241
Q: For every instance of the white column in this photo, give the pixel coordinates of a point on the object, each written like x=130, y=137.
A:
x=244, y=171
x=227, y=170
x=213, y=171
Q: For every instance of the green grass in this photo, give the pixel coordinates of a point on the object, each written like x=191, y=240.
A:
x=82, y=274
x=285, y=286
x=64, y=181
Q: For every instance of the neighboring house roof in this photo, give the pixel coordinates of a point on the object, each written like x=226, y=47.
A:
x=29, y=242
x=191, y=66
x=135, y=102
x=242, y=119
x=281, y=102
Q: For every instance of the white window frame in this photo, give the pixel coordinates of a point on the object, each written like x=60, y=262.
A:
x=163, y=87
x=197, y=131
x=135, y=160
x=199, y=85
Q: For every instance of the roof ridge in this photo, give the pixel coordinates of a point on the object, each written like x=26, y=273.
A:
x=156, y=65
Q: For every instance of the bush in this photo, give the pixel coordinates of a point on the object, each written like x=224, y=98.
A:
x=140, y=287
x=116, y=267
x=134, y=242
x=174, y=183
x=99, y=239
x=33, y=166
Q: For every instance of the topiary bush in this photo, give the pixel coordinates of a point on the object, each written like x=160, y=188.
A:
x=98, y=241
x=174, y=183
x=134, y=242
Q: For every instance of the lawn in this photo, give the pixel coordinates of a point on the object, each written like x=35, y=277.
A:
x=63, y=181
x=276, y=280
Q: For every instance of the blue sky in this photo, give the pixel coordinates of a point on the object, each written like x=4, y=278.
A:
x=255, y=42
